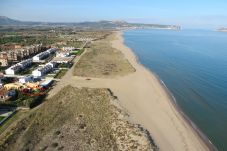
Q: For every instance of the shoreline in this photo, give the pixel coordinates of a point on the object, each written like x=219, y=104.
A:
x=203, y=137
x=172, y=100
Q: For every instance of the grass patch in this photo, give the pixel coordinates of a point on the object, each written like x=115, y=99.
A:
x=79, y=52
x=65, y=65
x=61, y=73
x=1, y=118
x=102, y=60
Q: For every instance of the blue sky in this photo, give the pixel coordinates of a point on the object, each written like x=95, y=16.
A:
x=190, y=13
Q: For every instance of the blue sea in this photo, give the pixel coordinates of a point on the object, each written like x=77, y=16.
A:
x=193, y=65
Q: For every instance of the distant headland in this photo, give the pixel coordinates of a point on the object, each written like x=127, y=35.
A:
x=223, y=29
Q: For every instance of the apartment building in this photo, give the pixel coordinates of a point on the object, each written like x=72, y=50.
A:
x=41, y=71
x=44, y=55
x=3, y=59
x=41, y=56
x=18, y=67
x=13, y=69
x=18, y=54
x=25, y=63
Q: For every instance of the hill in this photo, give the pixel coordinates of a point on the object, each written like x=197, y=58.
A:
x=7, y=21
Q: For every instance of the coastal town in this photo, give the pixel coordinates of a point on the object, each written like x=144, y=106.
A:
x=80, y=87
x=85, y=75
x=28, y=73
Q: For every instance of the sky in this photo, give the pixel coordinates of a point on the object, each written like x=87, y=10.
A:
x=187, y=13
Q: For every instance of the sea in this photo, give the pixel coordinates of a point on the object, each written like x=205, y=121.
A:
x=193, y=66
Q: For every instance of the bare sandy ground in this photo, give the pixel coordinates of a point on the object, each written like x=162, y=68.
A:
x=147, y=102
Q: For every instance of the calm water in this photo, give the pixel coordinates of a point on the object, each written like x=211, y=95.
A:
x=193, y=65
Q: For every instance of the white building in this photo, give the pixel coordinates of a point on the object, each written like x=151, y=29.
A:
x=68, y=48
x=52, y=64
x=46, y=82
x=44, y=54
x=26, y=79
x=19, y=66
x=13, y=69
x=41, y=71
x=41, y=56
x=51, y=50
x=62, y=54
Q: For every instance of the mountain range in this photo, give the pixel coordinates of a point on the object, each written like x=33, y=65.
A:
x=5, y=21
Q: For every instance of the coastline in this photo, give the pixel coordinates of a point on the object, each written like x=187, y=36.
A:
x=146, y=99
x=172, y=99
x=194, y=129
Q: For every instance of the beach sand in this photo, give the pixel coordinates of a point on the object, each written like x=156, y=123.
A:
x=146, y=100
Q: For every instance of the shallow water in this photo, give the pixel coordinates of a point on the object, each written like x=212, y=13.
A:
x=193, y=65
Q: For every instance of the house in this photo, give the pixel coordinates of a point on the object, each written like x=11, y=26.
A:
x=52, y=64
x=38, y=72
x=26, y=79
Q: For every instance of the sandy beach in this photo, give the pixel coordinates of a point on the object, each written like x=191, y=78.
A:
x=156, y=110
x=143, y=96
